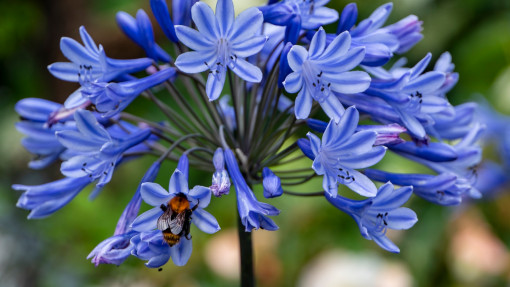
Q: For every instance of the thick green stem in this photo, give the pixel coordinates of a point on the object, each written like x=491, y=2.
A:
x=246, y=248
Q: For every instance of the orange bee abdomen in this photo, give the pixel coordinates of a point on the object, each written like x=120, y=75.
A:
x=178, y=204
x=171, y=238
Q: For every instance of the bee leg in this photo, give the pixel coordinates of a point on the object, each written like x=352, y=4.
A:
x=196, y=206
x=189, y=238
x=163, y=207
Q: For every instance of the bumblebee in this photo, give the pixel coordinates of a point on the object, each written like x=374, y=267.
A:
x=176, y=219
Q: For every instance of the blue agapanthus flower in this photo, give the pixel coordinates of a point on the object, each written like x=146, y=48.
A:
x=97, y=153
x=221, y=41
x=155, y=195
x=375, y=216
x=321, y=70
x=92, y=59
x=298, y=14
x=342, y=151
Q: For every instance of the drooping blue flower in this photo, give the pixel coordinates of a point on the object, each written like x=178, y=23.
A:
x=322, y=70
x=113, y=250
x=386, y=134
x=442, y=189
x=298, y=14
x=464, y=165
x=155, y=195
x=40, y=137
x=92, y=60
x=220, y=180
x=375, y=216
x=412, y=95
x=43, y=200
x=342, y=151
x=221, y=41
x=97, y=152
x=252, y=212
x=116, y=249
x=140, y=31
x=380, y=42
x=111, y=98
x=271, y=183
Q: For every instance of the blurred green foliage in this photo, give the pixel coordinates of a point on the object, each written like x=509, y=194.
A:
x=51, y=252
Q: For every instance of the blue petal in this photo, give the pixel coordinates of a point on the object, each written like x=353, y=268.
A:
x=315, y=143
x=247, y=71
x=385, y=243
x=160, y=11
x=225, y=15
x=87, y=40
x=426, y=83
x=202, y=194
x=64, y=71
x=153, y=194
x=215, y=82
x=196, y=62
x=401, y=218
x=205, y=221
x=147, y=221
x=345, y=63
x=77, y=142
x=303, y=104
x=320, y=16
x=293, y=82
x=350, y=82
x=297, y=55
x=347, y=18
x=246, y=25
x=318, y=44
x=75, y=52
x=333, y=108
x=420, y=66
x=362, y=185
x=181, y=252
x=206, y=22
x=178, y=183
x=89, y=127
x=249, y=47
x=193, y=39
x=337, y=48
x=365, y=159
x=337, y=134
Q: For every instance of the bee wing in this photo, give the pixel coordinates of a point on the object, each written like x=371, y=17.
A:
x=177, y=223
x=164, y=221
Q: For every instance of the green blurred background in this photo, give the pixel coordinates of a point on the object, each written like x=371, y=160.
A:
x=316, y=245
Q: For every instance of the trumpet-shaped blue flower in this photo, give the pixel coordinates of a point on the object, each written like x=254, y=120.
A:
x=43, y=200
x=252, y=212
x=468, y=156
x=116, y=249
x=321, y=70
x=412, y=95
x=386, y=134
x=380, y=42
x=140, y=31
x=221, y=41
x=442, y=189
x=40, y=137
x=342, y=151
x=97, y=152
x=155, y=195
x=298, y=14
x=91, y=59
x=375, y=216
x=111, y=98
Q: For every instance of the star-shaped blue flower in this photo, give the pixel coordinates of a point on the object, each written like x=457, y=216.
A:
x=155, y=195
x=342, y=151
x=375, y=215
x=221, y=41
x=322, y=70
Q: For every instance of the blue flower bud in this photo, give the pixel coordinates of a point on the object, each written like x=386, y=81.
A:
x=272, y=184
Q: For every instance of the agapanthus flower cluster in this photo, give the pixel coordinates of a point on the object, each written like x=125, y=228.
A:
x=241, y=98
